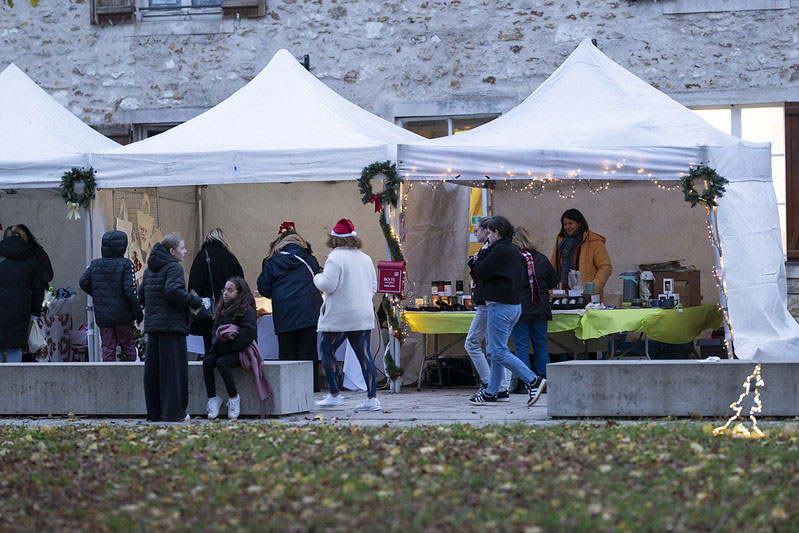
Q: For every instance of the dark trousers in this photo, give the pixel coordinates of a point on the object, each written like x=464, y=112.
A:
x=166, y=377
x=300, y=345
x=225, y=364
x=125, y=336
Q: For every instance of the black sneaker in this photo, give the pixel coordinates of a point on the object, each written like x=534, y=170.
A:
x=503, y=396
x=483, y=399
x=534, y=390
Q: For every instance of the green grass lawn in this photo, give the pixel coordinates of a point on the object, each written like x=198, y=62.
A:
x=271, y=477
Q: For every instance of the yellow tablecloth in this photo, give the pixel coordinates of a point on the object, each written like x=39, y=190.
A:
x=459, y=321
x=673, y=326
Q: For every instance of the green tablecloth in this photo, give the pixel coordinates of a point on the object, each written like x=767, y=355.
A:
x=459, y=321
x=673, y=326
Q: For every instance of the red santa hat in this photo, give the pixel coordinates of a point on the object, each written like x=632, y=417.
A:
x=344, y=228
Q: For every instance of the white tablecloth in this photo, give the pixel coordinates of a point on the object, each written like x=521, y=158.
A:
x=267, y=343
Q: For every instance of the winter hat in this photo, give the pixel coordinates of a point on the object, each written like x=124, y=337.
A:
x=344, y=228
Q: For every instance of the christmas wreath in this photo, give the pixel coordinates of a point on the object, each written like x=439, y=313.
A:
x=390, y=185
x=714, y=186
x=73, y=199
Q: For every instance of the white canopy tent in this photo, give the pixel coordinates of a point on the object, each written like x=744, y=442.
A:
x=283, y=126
x=40, y=138
x=593, y=120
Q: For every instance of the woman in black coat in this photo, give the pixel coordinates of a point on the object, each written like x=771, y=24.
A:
x=236, y=308
x=21, y=294
x=167, y=307
x=501, y=272
x=42, y=259
x=213, y=265
x=287, y=278
x=536, y=311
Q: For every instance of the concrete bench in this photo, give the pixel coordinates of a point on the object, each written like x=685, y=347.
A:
x=667, y=388
x=117, y=389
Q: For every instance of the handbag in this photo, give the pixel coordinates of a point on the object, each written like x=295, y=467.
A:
x=36, y=340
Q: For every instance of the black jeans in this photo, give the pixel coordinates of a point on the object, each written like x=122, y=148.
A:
x=166, y=377
x=225, y=364
x=300, y=345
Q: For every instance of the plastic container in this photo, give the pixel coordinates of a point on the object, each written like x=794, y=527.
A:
x=630, y=286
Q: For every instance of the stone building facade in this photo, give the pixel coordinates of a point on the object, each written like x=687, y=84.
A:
x=398, y=58
x=140, y=66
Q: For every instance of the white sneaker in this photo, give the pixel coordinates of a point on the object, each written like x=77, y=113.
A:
x=331, y=401
x=234, y=407
x=212, y=407
x=371, y=404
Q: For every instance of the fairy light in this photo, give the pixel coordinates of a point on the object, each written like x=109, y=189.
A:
x=739, y=430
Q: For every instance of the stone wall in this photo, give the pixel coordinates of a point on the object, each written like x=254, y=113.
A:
x=396, y=58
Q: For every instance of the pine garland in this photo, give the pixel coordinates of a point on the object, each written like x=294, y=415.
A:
x=393, y=243
x=68, y=180
x=391, y=184
x=394, y=326
x=392, y=370
x=714, y=186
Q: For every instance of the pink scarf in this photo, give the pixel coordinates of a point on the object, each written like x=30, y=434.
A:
x=528, y=257
x=250, y=359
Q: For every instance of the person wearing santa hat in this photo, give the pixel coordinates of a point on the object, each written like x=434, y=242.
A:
x=349, y=282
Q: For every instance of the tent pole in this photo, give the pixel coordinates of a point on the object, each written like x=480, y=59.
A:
x=90, y=327
x=720, y=275
x=198, y=191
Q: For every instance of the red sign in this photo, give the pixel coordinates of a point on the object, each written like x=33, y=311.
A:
x=390, y=275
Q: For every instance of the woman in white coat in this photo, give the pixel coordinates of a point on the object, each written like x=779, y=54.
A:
x=349, y=283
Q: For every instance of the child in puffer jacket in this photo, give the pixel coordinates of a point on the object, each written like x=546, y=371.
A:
x=237, y=308
x=111, y=283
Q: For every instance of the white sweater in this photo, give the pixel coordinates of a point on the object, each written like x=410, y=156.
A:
x=349, y=282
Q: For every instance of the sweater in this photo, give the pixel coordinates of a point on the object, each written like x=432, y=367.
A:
x=349, y=282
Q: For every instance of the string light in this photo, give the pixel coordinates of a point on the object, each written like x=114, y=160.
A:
x=739, y=430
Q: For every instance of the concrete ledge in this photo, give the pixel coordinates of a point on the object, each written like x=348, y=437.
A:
x=667, y=388
x=117, y=389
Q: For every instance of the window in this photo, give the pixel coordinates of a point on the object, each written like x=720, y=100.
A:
x=145, y=131
x=432, y=127
x=124, y=11
x=758, y=123
x=169, y=7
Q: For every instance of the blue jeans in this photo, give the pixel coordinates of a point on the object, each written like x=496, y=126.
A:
x=501, y=319
x=536, y=331
x=11, y=355
x=359, y=340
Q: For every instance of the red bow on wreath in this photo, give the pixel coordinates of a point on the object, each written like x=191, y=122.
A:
x=375, y=199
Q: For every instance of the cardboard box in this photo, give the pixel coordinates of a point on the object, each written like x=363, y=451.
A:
x=686, y=284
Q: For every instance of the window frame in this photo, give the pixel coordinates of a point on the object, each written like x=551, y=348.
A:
x=402, y=121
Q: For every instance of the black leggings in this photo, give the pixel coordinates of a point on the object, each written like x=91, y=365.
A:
x=225, y=364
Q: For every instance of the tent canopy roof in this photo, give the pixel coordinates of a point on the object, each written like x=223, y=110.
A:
x=40, y=138
x=590, y=116
x=284, y=125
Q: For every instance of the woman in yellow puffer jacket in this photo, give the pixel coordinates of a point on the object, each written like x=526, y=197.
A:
x=578, y=248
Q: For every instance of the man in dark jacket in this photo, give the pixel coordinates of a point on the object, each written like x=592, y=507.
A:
x=110, y=282
x=21, y=295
